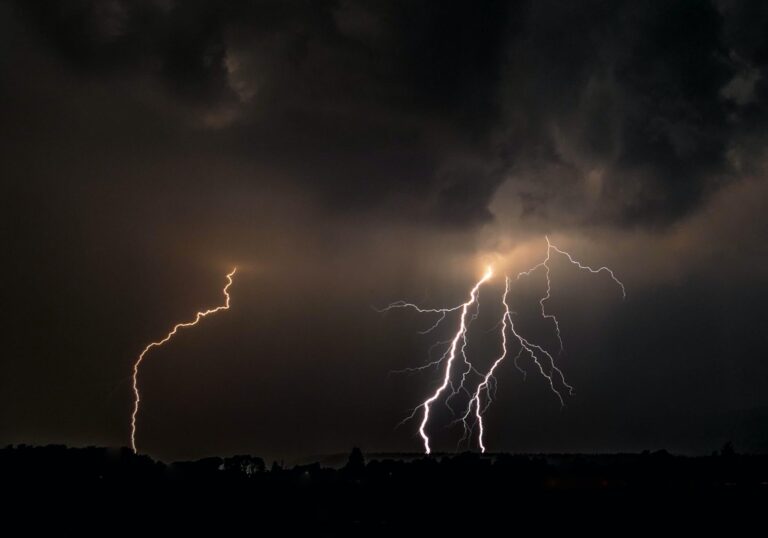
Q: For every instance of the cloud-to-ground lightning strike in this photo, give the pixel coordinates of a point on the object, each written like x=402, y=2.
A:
x=460, y=336
x=198, y=316
x=482, y=397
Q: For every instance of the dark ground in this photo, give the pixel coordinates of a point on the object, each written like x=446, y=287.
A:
x=108, y=490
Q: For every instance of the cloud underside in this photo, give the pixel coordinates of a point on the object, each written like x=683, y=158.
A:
x=594, y=114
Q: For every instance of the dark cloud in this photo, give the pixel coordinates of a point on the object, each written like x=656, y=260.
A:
x=373, y=104
x=630, y=94
x=182, y=43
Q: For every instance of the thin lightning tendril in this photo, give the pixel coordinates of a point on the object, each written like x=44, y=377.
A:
x=485, y=392
x=536, y=352
x=198, y=316
x=548, y=295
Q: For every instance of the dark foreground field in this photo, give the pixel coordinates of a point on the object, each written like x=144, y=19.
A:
x=114, y=490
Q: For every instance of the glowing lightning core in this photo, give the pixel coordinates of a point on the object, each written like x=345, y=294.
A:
x=198, y=317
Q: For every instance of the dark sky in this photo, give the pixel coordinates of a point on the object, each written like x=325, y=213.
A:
x=345, y=155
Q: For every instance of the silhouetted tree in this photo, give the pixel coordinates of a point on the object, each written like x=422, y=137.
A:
x=356, y=462
x=246, y=465
x=727, y=450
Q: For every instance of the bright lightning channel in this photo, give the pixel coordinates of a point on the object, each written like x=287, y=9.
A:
x=198, y=316
x=450, y=354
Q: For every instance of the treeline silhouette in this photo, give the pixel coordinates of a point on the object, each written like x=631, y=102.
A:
x=438, y=491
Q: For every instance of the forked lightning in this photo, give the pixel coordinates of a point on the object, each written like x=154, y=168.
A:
x=481, y=398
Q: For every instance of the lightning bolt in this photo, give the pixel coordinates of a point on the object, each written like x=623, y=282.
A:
x=537, y=353
x=485, y=391
x=548, y=295
x=458, y=344
x=198, y=316
x=484, y=386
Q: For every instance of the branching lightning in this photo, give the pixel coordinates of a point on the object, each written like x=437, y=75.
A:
x=485, y=391
x=198, y=316
x=458, y=344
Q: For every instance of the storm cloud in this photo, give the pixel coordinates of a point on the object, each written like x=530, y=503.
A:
x=637, y=112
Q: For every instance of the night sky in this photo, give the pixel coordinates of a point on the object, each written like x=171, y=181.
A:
x=345, y=155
